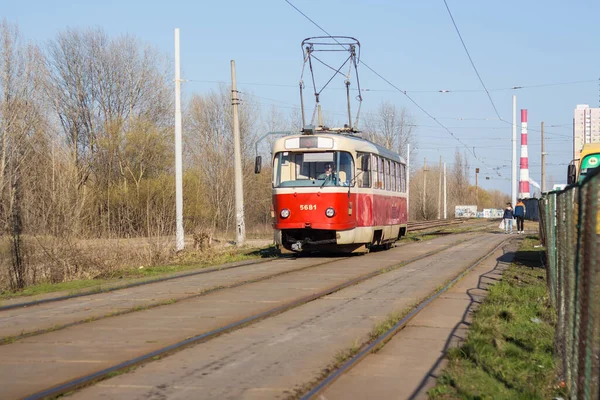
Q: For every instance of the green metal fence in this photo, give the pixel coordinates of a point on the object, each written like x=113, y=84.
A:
x=570, y=230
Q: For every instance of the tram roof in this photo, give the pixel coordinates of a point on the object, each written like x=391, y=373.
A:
x=344, y=141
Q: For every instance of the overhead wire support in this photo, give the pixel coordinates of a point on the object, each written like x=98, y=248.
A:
x=398, y=89
x=323, y=43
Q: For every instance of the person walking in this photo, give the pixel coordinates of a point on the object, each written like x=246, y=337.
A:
x=508, y=218
x=520, y=216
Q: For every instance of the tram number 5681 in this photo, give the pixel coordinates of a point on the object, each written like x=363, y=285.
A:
x=308, y=207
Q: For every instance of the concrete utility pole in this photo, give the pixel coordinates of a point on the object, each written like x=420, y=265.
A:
x=445, y=204
x=407, y=179
x=424, y=185
x=514, y=151
x=543, y=162
x=179, y=237
x=477, y=188
x=440, y=193
x=240, y=232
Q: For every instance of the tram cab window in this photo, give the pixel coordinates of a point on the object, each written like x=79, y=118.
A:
x=332, y=168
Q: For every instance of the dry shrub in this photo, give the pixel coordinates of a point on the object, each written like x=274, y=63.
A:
x=156, y=251
x=203, y=238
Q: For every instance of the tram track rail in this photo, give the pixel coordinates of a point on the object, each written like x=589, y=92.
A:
x=53, y=328
x=412, y=226
x=23, y=332
x=206, y=336
x=385, y=337
x=435, y=223
x=132, y=285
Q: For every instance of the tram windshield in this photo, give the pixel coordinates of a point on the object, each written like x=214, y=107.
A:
x=332, y=168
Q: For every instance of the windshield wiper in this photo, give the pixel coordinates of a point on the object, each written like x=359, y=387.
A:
x=325, y=181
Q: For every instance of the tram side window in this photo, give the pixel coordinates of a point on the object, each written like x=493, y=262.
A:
x=387, y=174
x=393, y=175
x=281, y=168
x=374, y=172
x=345, y=169
x=403, y=177
x=381, y=173
x=364, y=165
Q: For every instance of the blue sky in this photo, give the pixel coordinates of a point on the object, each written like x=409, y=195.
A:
x=413, y=44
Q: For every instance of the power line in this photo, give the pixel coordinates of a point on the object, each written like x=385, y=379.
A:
x=442, y=91
x=471, y=60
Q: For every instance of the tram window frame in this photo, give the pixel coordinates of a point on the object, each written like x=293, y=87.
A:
x=381, y=173
x=399, y=177
x=375, y=170
x=365, y=178
x=393, y=175
x=388, y=183
x=403, y=177
x=291, y=165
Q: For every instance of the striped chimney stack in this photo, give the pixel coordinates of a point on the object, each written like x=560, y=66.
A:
x=524, y=168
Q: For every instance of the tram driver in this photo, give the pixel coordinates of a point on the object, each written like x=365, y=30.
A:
x=328, y=174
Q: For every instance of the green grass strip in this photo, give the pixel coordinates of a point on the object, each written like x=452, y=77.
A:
x=508, y=353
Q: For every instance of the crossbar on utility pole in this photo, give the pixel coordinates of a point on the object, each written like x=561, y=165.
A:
x=240, y=232
x=179, y=236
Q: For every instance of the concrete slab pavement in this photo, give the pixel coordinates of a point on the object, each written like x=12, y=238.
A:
x=275, y=357
x=408, y=365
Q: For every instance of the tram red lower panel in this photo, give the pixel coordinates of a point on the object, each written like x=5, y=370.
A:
x=307, y=210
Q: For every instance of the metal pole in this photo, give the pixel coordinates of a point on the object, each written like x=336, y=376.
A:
x=349, y=111
x=179, y=237
x=302, y=106
x=514, y=151
x=543, y=162
x=440, y=192
x=240, y=232
x=445, y=204
x=407, y=179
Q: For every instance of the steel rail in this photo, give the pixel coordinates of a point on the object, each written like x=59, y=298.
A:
x=131, y=285
x=166, y=278
x=54, y=328
x=387, y=336
x=203, y=337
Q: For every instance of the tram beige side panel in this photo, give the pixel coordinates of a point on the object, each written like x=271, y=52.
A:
x=358, y=235
x=277, y=236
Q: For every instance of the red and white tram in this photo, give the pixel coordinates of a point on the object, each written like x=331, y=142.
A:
x=336, y=192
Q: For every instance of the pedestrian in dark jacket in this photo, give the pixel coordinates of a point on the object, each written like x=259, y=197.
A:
x=520, y=216
x=508, y=218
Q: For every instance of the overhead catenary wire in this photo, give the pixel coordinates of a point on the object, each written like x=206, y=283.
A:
x=434, y=91
x=471, y=60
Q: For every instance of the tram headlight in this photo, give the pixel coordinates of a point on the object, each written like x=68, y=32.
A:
x=284, y=213
x=330, y=212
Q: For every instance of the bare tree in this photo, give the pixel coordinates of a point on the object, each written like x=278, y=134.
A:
x=104, y=91
x=21, y=123
x=392, y=128
x=209, y=143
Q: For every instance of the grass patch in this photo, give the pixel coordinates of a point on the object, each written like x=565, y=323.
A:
x=184, y=263
x=43, y=288
x=508, y=353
